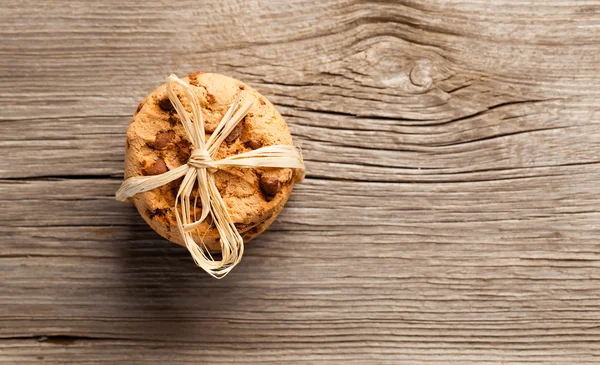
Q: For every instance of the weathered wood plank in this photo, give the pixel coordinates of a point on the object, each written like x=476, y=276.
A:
x=488, y=145
x=469, y=268
x=451, y=212
x=343, y=350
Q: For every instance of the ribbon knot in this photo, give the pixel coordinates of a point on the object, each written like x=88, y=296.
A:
x=200, y=159
x=201, y=167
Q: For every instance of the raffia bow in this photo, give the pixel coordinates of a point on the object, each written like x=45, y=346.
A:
x=201, y=166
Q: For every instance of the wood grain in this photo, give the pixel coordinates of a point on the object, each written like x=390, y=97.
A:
x=450, y=215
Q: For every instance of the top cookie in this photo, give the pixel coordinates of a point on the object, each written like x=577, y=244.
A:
x=156, y=143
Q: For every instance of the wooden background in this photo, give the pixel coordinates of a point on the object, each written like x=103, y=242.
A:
x=451, y=212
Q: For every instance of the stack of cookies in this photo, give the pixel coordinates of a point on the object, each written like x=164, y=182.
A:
x=157, y=143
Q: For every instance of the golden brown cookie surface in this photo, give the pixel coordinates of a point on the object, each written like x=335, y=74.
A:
x=156, y=143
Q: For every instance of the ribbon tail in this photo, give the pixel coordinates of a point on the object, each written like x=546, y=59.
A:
x=232, y=244
x=204, y=200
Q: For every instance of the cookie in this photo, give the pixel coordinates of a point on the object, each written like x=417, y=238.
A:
x=157, y=143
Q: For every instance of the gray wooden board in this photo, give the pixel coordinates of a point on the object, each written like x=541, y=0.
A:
x=450, y=215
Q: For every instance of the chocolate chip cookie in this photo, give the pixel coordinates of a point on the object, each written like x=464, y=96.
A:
x=157, y=143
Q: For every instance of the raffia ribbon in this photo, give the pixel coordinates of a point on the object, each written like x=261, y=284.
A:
x=201, y=166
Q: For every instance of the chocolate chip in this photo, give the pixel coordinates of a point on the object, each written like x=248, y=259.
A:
x=139, y=107
x=270, y=185
x=254, y=144
x=157, y=212
x=235, y=133
x=184, y=150
x=174, y=119
x=165, y=104
x=163, y=140
x=158, y=167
